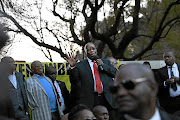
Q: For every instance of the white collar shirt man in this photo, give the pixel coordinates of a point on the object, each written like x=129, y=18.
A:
x=176, y=74
x=63, y=107
x=13, y=80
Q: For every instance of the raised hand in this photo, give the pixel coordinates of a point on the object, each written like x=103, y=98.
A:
x=70, y=58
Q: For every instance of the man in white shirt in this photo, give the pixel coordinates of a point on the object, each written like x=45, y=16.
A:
x=169, y=84
x=135, y=94
x=17, y=90
x=51, y=72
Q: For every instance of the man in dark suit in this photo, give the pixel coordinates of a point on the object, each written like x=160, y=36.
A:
x=135, y=94
x=90, y=80
x=17, y=90
x=51, y=72
x=169, y=84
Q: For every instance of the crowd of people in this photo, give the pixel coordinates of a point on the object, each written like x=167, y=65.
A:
x=99, y=90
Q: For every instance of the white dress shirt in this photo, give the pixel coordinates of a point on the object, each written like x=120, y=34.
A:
x=13, y=80
x=156, y=115
x=92, y=69
x=63, y=107
x=176, y=74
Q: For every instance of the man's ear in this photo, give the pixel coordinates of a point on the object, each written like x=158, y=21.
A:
x=154, y=89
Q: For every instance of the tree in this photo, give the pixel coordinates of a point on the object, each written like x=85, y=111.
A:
x=77, y=21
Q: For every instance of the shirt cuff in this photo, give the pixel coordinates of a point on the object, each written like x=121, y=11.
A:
x=164, y=83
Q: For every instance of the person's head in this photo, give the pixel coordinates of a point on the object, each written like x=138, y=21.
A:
x=113, y=62
x=81, y=112
x=90, y=50
x=51, y=72
x=146, y=63
x=169, y=58
x=3, y=37
x=37, y=68
x=135, y=90
x=10, y=62
x=101, y=112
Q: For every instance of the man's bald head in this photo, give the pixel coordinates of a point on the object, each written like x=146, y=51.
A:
x=101, y=112
x=137, y=70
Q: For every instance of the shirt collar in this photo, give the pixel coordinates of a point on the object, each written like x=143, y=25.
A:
x=89, y=60
x=39, y=75
x=173, y=66
x=156, y=115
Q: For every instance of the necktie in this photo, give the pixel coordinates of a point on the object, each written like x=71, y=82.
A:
x=173, y=85
x=97, y=79
x=57, y=94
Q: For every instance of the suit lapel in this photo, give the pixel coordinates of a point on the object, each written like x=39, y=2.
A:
x=38, y=83
x=165, y=71
x=88, y=68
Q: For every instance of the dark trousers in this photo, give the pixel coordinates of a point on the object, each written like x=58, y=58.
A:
x=173, y=105
x=55, y=115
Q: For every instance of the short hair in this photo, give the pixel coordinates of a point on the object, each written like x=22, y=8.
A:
x=169, y=52
x=3, y=36
x=85, y=47
x=96, y=108
x=75, y=111
x=4, y=59
x=48, y=68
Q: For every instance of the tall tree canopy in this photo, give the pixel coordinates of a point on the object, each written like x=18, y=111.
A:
x=126, y=29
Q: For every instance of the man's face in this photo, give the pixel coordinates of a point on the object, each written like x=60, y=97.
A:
x=38, y=68
x=11, y=64
x=91, y=51
x=132, y=100
x=169, y=58
x=52, y=73
x=102, y=114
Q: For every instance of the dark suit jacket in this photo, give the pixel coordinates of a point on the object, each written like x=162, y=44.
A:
x=65, y=94
x=164, y=116
x=20, y=80
x=82, y=83
x=163, y=94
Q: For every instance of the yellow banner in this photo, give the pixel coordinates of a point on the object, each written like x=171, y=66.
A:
x=62, y=71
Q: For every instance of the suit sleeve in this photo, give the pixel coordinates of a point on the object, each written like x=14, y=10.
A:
x=31, y=101
x=109, y=69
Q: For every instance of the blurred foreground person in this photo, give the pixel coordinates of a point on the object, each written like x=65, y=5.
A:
x=135, y=94
x=101, y=112
x=42, y=95
x=6, y=108
x=81, y=112
x=51, y=72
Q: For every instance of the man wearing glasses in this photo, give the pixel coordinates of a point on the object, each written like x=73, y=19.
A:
x=135, y=94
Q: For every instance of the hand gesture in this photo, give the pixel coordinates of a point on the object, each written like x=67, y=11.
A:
x=99, y=62
x=176, y=79
x=170, y=81
x=70, y=58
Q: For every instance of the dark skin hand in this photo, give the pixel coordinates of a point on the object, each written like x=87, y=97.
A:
x=70, y=58
x=172, y=80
